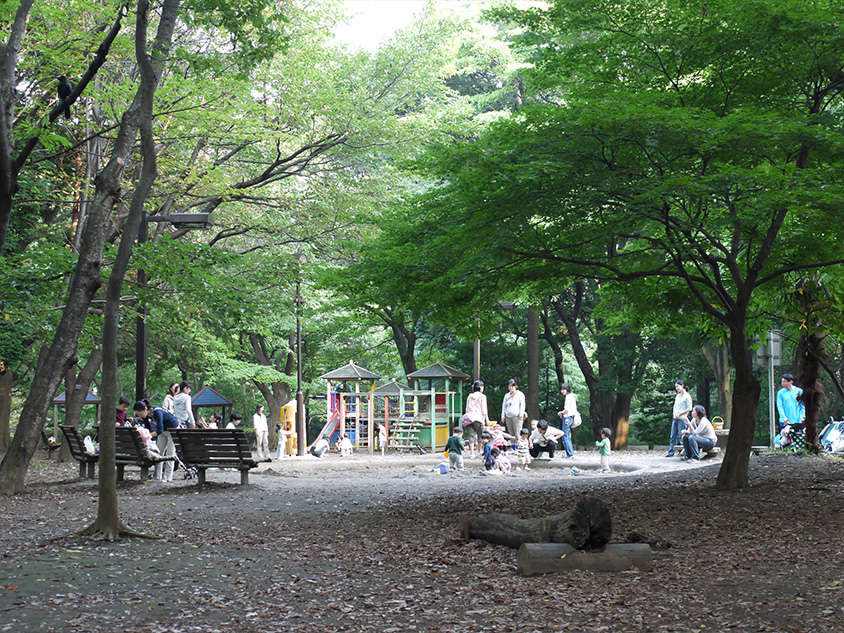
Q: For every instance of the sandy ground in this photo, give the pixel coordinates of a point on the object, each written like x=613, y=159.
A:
x=370, y=543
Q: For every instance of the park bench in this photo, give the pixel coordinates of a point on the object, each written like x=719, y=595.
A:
x=129, y=451
x=77, y=451
x=214, y=448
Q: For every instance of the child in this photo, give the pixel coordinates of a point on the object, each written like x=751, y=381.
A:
x=501, y=465
x=454, y=446
x=382, y=437
x=122, y=407
x=604, y=450
x=345, y=446
x=234, y=420
x=522, y=450
x=486, y=448
x=499, y=437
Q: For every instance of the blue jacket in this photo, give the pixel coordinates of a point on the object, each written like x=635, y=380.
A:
x=162, y=420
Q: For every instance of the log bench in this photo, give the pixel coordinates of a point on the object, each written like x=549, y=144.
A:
x=77, y=451
x=129, y=451
x=214, y=448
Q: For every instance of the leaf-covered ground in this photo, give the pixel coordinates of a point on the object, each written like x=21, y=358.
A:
x=371, y=544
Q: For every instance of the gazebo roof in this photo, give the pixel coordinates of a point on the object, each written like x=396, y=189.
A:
x=207, y=397
x=436, y=371
x=350, y=372
x=89, y=399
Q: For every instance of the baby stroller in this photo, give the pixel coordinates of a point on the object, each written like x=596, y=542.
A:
x=190, y=471
x=792, y=438
x=832, y=437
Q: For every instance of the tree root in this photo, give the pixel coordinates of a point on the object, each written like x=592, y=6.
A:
x=98, y=532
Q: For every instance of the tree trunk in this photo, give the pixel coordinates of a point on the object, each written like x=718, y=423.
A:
x=403, y=331
x=733, y=472
x=7, y=379
x=533, y=365
x=621, y=420
x=107, y=524
x=588, y=525
x=717, y=355
x=810, y=354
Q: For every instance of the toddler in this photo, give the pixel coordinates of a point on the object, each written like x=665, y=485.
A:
x=604, y=450
x=522, y=450
x=499, y=437
x=345, y=445
x=501, y=465
x=486, y=447
x=454, y=446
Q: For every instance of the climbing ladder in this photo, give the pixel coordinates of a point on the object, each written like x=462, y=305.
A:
x=405, y=433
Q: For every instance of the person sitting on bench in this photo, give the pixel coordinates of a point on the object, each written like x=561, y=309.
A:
x=699, y=436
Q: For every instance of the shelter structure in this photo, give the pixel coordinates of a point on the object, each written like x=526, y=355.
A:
x=444, y=386
x=349, y=394
x=210, y=398
x=61, y=399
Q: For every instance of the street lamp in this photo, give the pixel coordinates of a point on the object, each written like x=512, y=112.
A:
x=187, y=221
x=300, y=396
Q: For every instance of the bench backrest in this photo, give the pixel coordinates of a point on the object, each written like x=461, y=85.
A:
x=128, y=445
x=74, y=441
x=211, y=446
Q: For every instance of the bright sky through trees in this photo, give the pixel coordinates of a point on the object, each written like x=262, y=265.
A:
x=374, y=20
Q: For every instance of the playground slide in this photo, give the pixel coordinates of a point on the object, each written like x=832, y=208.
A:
x=328, y=429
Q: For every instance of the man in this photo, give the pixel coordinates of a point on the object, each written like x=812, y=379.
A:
x=513, y=409
x=544, y=439
x=790, y=409
x=679, y=419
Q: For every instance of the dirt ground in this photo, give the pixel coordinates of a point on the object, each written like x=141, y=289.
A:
x=370, y=543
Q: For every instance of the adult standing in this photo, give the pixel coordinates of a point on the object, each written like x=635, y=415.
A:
x=567, y=416
x=513, y=409
x=262, y=433
x=476, y=416
x=789, y=405
x=172, y=392
x=182, y=410
x=699, y=435
x=679, y=419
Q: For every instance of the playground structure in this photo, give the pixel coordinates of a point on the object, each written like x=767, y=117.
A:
x=397, y=407
x=444, y=403
x=350, y=408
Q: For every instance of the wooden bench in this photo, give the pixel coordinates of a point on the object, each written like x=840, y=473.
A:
x=214, y=448
x=129, y=451
x=77, y=451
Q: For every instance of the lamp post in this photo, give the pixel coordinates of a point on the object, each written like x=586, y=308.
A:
x=300, y=396
x=188, y=221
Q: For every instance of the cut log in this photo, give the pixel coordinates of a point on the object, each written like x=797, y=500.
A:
x=548, y=558
x=586, y=526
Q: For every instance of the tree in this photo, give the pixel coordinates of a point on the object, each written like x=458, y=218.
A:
x=696, y=149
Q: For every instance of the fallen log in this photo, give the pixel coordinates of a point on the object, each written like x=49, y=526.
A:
x=547, y=558
x=588, y=525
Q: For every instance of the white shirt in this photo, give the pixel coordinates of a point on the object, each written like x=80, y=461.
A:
x=514, y=405
x=182, y=411
x=570, y=406
x=551, y=433
x=259, y=423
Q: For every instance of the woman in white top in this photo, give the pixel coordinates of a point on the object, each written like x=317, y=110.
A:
x=701, y=435
x=172, y=390
x=182, y=407
x=476, y=416
x=262, y=433
x=567, y=418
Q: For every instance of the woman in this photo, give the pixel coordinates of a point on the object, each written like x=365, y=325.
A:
x=262, y=433
x=476, y=416
x=701, y=435
x=182, y=410
x=172, y=392
x=567, y=418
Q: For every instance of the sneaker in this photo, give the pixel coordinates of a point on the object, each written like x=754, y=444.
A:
x=669, y=455
x=527, y=467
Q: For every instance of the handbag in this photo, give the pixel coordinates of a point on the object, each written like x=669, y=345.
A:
x=577, y=420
